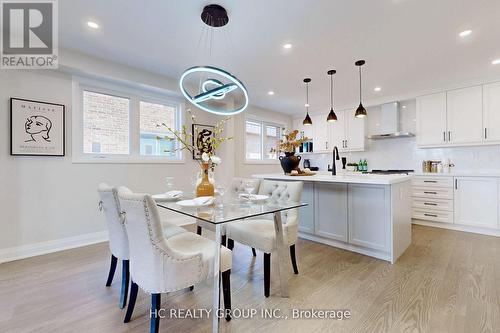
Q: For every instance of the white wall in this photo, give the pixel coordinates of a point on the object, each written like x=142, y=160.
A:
x=402, y=153
x=247, y=169
x=43, y=199
x=49, y=202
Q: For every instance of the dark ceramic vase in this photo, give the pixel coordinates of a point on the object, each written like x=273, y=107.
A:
x=289, y=162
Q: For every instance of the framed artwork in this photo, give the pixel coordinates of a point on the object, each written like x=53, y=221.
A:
x=200, y=135
x=36, y=128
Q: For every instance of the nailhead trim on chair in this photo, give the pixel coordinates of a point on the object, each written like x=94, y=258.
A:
x=165, y=254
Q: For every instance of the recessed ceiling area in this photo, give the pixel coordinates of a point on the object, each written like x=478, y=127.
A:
x=409, y=46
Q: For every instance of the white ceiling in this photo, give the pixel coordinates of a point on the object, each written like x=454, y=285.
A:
x=409, y=45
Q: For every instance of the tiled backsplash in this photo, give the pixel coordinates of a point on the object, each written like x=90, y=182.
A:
x=403, y=154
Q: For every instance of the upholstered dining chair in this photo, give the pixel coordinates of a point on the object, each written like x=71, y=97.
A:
x=260, y=233
x=118, y=241
x=161, y=265
x=237, y=186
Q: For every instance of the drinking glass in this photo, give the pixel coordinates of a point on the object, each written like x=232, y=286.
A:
x=249, y=187
x=221, y=189
x=169, y=183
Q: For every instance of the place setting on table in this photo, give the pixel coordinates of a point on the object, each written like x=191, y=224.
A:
x=212, y=206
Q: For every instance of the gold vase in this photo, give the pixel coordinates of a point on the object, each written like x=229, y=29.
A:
x=205, y=188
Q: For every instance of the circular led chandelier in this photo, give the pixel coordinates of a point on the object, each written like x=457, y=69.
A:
x=214, y=84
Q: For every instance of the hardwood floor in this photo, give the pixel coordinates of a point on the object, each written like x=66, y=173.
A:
x=447, y=281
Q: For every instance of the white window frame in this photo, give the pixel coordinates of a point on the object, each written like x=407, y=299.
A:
x=135, y=95
x=263, y=124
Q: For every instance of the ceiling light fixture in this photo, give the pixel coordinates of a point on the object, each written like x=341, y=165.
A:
x=377, y=89
x=93, y=25
x=270, y=92
x=287, y=46
x=465, y=33
x=360, y=111
x=332, y=117
x=495, y=62
x=307, y=120
x=203, y=85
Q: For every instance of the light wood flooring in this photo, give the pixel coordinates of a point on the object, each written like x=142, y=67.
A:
x=447, y=281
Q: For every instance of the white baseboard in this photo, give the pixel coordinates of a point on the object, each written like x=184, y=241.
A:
x=349, y=247
x=32, y=250
x=457, y=227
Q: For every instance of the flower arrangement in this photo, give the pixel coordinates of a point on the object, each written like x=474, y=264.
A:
x=205, y=143
x=290, y=141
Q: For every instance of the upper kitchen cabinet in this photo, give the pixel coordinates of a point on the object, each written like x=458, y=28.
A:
x=337, y=131
x=306, y=130
x=320, y=133
x=431, y=120
x=465, y=115
x=355, y=139
x=348, y=132
x=462, y=117
x=491, y=112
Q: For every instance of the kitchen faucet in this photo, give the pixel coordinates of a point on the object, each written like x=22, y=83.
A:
x=335, y=157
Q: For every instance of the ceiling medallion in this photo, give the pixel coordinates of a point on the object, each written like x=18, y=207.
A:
x=206, y=86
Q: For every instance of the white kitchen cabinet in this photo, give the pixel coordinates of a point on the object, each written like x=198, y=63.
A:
x=306, y=214
x=331, y=211
x=491, y=112
x=338, y=131
x=369, y=209
x=320, y=133
x=355, y=138
x=465, y=115
x=431, y=120
x=348, y=132
x=306, y=130
x=476, y=201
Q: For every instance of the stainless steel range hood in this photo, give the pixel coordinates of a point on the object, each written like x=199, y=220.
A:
x=389, y=123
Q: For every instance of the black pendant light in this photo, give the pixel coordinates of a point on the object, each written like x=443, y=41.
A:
x=307, y=120
x=360, y=111
x=332, y=117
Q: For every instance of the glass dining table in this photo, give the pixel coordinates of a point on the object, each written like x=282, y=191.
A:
x=237, y=210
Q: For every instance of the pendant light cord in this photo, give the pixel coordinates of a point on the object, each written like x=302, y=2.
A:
x=331, y=91
x=307, y=97
x=360, y=97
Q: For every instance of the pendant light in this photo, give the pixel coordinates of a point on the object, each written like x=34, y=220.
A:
x=360, y=111
x=307, y=120
x=332, y=117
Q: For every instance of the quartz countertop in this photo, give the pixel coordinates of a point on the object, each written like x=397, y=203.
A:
x=354, y=178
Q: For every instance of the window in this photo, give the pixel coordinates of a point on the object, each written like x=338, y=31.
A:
x=261, y=140
x=105, y=124
x=123, y=125
x=156, y=140
x=253, y=140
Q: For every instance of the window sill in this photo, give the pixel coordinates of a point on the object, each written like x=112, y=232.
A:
x=117, y=160
x=262, y=162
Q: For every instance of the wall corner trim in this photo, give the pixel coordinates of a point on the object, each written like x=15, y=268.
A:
x=36, y=249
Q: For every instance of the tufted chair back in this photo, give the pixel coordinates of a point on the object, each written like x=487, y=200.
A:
x=154, y=265
x=118, y=242
x=238, y=185
x=283, y=191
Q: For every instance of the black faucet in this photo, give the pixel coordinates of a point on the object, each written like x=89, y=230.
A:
x=335, y=157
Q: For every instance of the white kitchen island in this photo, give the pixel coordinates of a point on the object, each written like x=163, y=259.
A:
x=364, y=213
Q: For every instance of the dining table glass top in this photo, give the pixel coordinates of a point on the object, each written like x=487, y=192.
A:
x=231, y=209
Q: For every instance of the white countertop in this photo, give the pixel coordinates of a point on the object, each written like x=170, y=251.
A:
x=357, y=178
x=470, y=173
